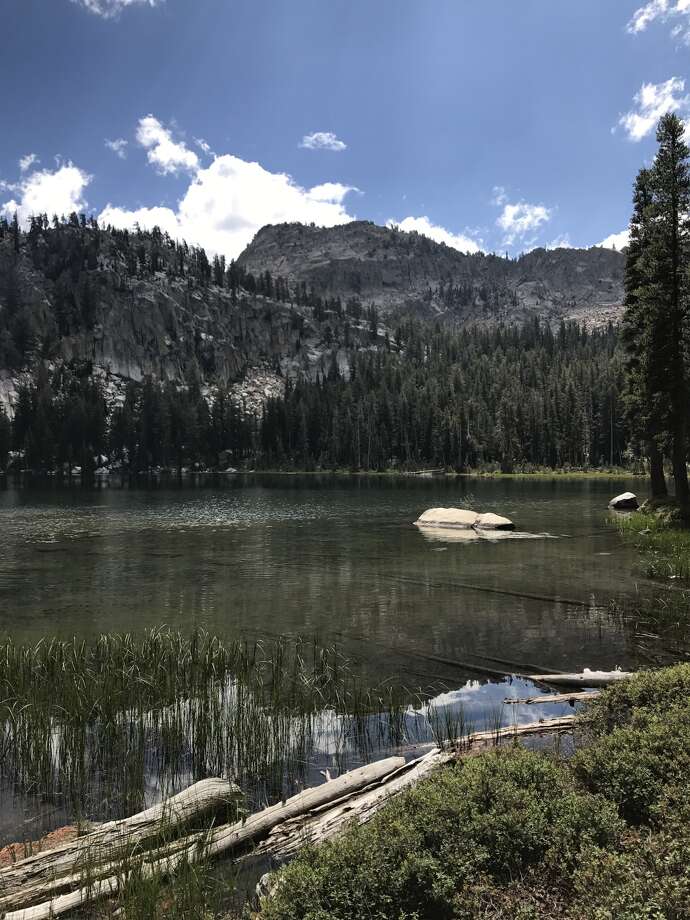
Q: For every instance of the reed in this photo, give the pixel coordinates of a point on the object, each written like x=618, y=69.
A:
x=104, y=728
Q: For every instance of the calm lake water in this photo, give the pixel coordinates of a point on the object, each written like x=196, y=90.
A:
x=333, y=559
x=328, y=557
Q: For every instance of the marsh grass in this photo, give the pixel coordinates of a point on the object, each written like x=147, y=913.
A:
x=105, y=728
x=665, y=546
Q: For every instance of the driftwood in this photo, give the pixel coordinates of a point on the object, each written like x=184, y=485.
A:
x=323, y=824
x=577, y=696
x=191, y=848
x=116, y=839
x=585, y=679
x=40, y=891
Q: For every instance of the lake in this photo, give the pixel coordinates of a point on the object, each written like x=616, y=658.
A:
x=335, y=558
x=440, y=616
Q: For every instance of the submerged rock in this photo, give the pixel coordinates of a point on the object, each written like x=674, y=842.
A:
x=448, y=517
x=493, y=522
x=626, y=501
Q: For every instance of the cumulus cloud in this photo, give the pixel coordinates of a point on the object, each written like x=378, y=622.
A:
x=118, y=146
x=519, y=220
x=229, y=201
x=435, y=232
x=561, y=242
x=59, y=191
x=323, y=140
x=616, y=240
x=111, y=9
x=663, y=11
x=166, y=154
x=651, y=102
x=25, y=163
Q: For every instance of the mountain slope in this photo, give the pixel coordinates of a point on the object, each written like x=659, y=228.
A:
x=407, y=273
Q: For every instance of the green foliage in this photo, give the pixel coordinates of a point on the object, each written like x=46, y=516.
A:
x=514, y=834
x=441, y=849
x=665, y=546
x=507, y=397
x=633, y=765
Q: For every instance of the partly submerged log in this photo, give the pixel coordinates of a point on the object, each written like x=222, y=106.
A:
x=167, y=859
x=586, y=679
x=577, y=696
x=27, y=878
x=280, y=830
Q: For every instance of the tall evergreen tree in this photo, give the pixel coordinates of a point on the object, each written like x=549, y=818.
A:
x=641, y=338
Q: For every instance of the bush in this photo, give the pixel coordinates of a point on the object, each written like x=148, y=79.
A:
x=453, y=846
x=634, y=765
x=648, y=690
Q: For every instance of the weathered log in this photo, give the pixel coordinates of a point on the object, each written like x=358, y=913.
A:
x=585, y=679
x=314, y=815
x=577, y=696
x=316, y=827
x=219, y=840
x=113, y=840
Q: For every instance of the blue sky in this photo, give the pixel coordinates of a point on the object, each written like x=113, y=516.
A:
x=500, y=124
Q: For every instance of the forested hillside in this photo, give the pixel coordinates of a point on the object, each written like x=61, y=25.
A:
x=135, y=351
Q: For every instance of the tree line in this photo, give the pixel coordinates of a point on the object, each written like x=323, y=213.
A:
x=507, y=398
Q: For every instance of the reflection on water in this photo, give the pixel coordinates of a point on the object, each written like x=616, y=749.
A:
x=328, y=557
x=339, y=560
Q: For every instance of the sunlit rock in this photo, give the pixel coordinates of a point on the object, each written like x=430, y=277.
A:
x=493, y=522
x=626, y=501
x=448, y=517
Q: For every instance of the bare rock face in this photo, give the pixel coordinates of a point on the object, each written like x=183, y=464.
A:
x=411, y=274
x=493, y=522
x=448, y=517
x=626, y=501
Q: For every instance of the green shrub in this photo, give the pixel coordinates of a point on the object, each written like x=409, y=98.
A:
x=654, y=690
x=452, y=846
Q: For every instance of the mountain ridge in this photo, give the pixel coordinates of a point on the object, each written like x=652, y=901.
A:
x=408, y=273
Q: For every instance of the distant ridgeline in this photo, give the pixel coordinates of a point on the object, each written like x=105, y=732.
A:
x=131, y=349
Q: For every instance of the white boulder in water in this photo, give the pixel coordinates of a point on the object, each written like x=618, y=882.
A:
x=493, y=522
x=627, y=501
x=448, y=517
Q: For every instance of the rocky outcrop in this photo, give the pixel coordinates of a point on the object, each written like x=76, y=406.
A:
x=409, y=273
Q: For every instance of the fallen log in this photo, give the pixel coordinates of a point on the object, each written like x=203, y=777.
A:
x=285, y=841
x=315, y=815
x=586, y=679
x=205, y=845
x=110, y=841
x=577, y=696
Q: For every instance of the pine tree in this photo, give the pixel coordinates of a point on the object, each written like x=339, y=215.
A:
x=640, y=337
x=664, y=293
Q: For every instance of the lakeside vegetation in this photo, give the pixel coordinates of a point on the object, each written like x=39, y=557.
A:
x=525, y=834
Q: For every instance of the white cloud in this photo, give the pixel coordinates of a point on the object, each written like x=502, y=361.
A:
x=111, y=9
x=651, y=102
x=616, y=240
x=561, y=242
x=25, y=163
x=323, y=140
x=204, y=146
x=664, y=11
x=167, y=155
x=518, y=220
x=118, y=146
x=60, y=191
x=424, y=226
x=228, y=202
